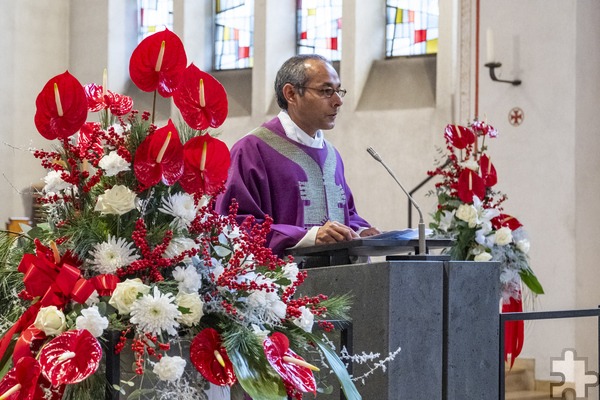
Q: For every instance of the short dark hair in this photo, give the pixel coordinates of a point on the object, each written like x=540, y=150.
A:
x=293, y=71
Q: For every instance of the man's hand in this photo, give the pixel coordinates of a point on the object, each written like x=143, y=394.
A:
x=333, y=232
x=370, y=232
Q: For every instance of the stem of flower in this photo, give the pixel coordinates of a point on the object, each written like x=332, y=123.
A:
x=300, y=362
x=10, y=391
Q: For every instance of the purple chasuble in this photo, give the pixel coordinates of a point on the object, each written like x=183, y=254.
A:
x=296, y=185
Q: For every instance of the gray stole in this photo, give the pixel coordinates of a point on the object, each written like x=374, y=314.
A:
x=322, y=196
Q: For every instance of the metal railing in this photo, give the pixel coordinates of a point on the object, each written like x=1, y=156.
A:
x=529, y=316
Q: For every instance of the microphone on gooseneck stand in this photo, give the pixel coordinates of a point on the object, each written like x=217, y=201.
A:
x=422, y=245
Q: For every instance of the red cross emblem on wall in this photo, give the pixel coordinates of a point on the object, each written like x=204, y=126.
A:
x=516, y=116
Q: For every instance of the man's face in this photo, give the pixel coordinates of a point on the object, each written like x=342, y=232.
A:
x=313, y=110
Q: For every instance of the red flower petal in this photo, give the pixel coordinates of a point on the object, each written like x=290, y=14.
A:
x=485, y=129
x=206, y=162
x=170, y=59
x=488, y=171
x=25, y=373
x=469, y=184
x=71, y=357
x=301, y=378
x=459, y=136
x=505, y=220
x=200, y=113
x=97, y=100
x=150, y=166
x=202, y=355
x=88, y=137
x=61, y=107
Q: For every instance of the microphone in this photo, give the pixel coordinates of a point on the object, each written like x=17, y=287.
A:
x=422, y=246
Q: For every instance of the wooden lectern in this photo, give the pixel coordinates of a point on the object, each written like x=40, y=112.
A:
x=442, y=314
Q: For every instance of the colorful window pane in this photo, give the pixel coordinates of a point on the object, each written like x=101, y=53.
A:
x=234, y=34
x=412, y=27
x=154, y=16
x=320, y=28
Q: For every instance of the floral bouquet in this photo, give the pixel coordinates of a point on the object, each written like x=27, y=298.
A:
x=470, y=212
x=132, y=247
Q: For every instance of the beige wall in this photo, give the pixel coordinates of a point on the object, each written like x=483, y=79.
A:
x=548, y=165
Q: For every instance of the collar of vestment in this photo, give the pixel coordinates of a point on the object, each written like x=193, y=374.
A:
x=293, y=132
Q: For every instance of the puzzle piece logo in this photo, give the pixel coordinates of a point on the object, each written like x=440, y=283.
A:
x=574, y=374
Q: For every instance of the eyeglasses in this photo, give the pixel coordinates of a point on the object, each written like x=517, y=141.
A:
x=327, y=92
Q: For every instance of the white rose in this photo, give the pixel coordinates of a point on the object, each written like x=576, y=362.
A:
x=467, y=213
x=126, y=293
x=485, y=256
x=91, y=320
x=178, y=245
x=306, y=320
x=118, y=200
x=51, y=320
x=503, y=236
x=169, y=368
x=113, y=163
x=193, y=304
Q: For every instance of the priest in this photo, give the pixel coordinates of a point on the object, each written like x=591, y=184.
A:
x=287, y=170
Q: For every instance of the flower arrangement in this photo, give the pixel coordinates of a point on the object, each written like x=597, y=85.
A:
x=132, y=245
x=470, y=211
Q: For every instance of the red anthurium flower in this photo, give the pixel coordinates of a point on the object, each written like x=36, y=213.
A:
x=459, y=136
x=159, y=157
x=506, y=220
x=70, y=357
x=206, y=161
x=20, y=383
x=201, y=99
x=289, y=365
x=99, y=99
x=469, y=184
x=157, y=63
x=485, y=129
x=61, y=107
x=488, y=171
x=210, y=358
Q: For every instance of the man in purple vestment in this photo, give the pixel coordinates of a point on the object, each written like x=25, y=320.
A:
x=287, y=170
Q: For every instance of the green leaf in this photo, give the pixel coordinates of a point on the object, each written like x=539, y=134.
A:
x=257, y=382
x=338, y=367
x=529, y=279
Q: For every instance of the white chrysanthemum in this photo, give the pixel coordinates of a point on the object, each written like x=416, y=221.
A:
x=156, y=313
x=189, y=279
x=91, y=320
x=111, y=255
x=194, y=308
x=54, y=182
x=169, y=368
x=290, y=271
x=182, y=207
x=178, y=245
x=113, y=163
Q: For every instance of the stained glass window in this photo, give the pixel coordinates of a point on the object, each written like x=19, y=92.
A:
x=319, y=28
x=234, y=34
x=412, y=27
x=154, y=16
